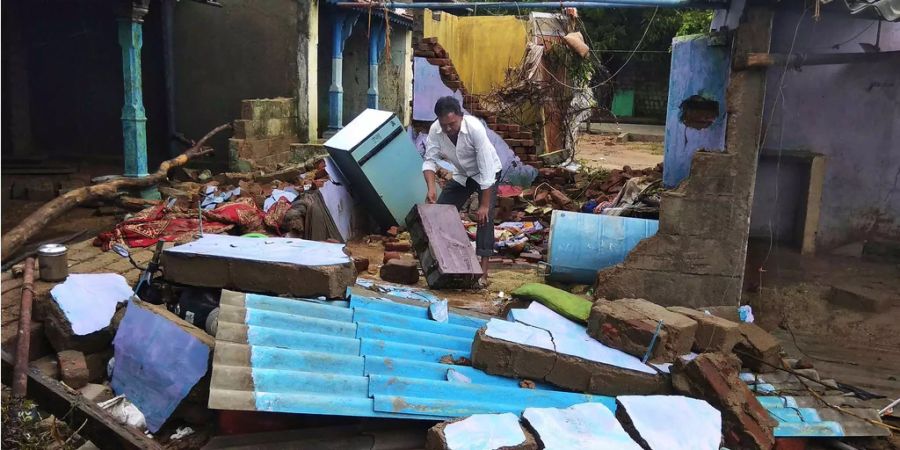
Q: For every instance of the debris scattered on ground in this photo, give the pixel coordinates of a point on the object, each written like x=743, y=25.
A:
x=403, y=271
x=758, y=350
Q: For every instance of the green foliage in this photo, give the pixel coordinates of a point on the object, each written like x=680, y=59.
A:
x=694, y=22
x=621, y=29
x=577, y=68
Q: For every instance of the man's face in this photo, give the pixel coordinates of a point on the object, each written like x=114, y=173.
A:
x=450, y=124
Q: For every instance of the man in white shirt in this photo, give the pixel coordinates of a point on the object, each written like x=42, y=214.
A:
x=463, y=142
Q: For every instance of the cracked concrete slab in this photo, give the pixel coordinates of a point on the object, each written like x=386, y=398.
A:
x=541, y=345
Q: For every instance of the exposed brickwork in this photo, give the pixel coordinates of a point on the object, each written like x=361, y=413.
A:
x=265, y=136
x=521, y=142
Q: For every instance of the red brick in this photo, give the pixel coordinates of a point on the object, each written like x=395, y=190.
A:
x=362, y=264
x=524, y=135
x=453, y=84
x=391, y=255
x=714, y=377
x=500, y=127
x=73, y=368
x=425, y=54
x=514, y=142
x=399, y=246
x=430, y=40
x=514, y=128
x=403, y=271
x=528, y=142
x=439, y=61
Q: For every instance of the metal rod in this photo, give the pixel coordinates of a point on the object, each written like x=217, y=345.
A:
x=20, y=370
x=542, y=5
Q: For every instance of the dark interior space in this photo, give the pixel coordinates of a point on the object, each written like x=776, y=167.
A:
x=64, y=71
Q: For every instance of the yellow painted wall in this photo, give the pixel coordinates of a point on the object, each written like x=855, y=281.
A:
x=481, y=47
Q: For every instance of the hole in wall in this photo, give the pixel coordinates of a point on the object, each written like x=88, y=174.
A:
x=699, y=112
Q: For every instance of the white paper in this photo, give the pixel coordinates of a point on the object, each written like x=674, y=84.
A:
x=673, y=422
x=484, y=431
x=89, y=300
x=582, y=426
x=572, y=338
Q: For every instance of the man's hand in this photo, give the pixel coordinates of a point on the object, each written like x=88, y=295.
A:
x=431, y=196
x=482, y=215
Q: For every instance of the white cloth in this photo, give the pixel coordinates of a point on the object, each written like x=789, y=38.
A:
x=473, y=156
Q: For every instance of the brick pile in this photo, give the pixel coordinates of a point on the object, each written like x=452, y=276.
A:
x=265, y=137
x=522, y=142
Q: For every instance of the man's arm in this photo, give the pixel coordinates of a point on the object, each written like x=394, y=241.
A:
x=429, y=167
x=487, y=172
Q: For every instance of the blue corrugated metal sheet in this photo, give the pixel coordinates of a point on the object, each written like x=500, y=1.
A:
x=581, y=244
x=374, y=358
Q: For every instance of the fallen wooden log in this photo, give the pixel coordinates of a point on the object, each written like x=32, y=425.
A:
x=35, y=222
x=20, y=375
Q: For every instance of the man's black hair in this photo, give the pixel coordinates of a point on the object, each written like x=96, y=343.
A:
x=447, y=105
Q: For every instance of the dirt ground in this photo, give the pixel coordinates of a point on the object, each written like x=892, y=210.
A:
x=602, y=151
x=790, y=296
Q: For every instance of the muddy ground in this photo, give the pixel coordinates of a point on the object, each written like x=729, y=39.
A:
x=603, y=151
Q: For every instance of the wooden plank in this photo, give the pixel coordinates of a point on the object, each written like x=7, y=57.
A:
x=100, y=427
x=813, y=204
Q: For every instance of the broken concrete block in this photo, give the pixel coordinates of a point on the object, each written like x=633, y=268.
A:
x=726, y=312
x=96, y=393
x=282, y=266
x=861, y=298
x=361, y=264
x=759, y=351
x=484, y=431
x=403, y=271
x=48, y=365
x=715, y=378
x=582, y=426
x=543, y=345
x=670, y=422
x=629, y=325
x=73, y=368
x=714, y=334
x=82, y=314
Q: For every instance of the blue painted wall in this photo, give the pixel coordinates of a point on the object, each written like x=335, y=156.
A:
x=697, y=69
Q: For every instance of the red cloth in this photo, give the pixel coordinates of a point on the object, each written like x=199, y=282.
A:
x=276, y=213
x=155, y=224
x=241, y=212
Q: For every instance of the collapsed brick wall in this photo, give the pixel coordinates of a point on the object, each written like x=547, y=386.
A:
x=265, y=137
x=520, y=141
x=697, y=257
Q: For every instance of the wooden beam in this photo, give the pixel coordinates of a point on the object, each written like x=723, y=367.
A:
x=813, y=205
x=57, y=399
x=762, y=60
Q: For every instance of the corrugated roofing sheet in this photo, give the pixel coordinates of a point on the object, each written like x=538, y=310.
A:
x=371, y=357
x=374, y=358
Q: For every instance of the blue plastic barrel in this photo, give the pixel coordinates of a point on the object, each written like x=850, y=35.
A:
x=581, y=244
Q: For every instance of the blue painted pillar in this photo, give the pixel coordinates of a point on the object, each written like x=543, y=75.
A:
x=134, y=119
x=343, y=26
x=376, y=46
